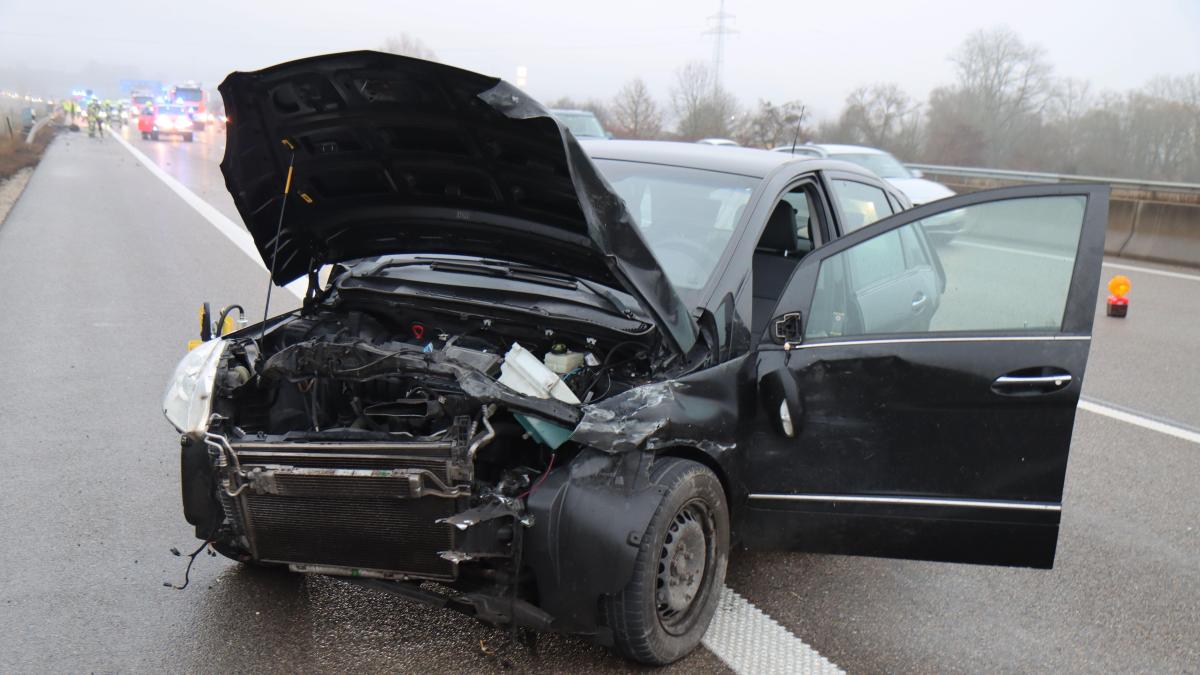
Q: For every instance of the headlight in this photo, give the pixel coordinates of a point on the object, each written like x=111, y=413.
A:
x=164, y=123
x=188, y=401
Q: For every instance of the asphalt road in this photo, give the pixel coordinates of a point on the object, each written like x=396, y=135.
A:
x=104, y=268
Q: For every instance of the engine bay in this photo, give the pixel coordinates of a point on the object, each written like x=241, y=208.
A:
x=343, y=419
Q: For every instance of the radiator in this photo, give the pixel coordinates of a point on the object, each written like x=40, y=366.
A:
x=363, y=507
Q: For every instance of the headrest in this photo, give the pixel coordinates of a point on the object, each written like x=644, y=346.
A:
x=780, y=234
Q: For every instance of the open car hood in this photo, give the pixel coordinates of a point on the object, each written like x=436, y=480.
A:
x=397, y=155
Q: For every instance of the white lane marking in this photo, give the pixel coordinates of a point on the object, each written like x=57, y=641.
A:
x=232, y=231
x=749, y=641
x=1143, y=421
x=1011, y=249
x=1120, y=266
x=1151, y=270
x=737, y=625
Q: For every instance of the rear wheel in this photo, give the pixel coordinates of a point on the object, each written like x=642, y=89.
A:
x=188, y=137
x=665, y=609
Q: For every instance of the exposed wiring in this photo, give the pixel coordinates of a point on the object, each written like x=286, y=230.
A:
x=607, y=365
x=187, y=573
x=538, y=483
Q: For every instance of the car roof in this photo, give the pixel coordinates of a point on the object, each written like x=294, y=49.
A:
x=570, y=111
x=751, y=162
x=839, y=149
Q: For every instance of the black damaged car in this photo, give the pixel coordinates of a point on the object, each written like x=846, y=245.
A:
x=564, y=381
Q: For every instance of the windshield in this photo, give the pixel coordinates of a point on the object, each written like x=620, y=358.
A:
x=687, y=216
x=143, y=100
x=584, y=125
x=881, y=164
x=191, y=95
x=170, y=110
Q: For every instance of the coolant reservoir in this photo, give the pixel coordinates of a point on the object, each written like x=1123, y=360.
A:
x=561, y=360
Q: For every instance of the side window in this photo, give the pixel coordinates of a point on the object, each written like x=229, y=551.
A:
x=861, y=204
x=786, y=238
x=995, y=266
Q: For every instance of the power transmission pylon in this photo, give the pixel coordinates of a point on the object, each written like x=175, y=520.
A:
x=720, y=28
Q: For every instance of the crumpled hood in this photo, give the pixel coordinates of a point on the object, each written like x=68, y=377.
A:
x=395, y=155
x=920, y=191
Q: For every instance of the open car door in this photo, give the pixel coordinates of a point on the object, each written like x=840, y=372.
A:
x=918, y=392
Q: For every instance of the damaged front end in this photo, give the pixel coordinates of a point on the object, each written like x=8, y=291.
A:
x=451, y=407
x=331, y=447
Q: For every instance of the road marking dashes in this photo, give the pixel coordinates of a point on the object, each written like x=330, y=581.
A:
x=749, y=641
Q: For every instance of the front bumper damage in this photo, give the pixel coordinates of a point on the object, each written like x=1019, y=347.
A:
x=394, y=515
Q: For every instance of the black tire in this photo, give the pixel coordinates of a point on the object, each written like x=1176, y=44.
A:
x=154, y=135
x=145, y=136
x=189, y=138
x=663, y=612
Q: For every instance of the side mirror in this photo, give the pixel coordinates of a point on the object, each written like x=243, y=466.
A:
x=781, y=401
x=917, y=173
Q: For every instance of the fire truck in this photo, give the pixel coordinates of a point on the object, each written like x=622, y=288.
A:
x=194, y=99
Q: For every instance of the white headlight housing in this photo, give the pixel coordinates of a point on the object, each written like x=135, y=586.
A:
x=188, y=401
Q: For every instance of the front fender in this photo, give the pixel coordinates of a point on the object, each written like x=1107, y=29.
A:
x=589, y=519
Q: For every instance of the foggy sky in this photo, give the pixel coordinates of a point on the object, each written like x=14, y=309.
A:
x=814, y=51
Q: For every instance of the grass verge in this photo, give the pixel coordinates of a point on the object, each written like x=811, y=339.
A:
x=15, y=154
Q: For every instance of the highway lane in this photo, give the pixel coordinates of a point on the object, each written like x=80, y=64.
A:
x=1124, y=593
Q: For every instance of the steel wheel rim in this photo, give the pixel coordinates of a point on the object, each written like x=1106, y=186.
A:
x=685, y=566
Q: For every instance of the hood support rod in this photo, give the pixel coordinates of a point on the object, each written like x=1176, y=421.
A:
x=287, y=187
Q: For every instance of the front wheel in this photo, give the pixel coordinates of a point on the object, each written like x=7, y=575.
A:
x=189, y=138
x=663, y=612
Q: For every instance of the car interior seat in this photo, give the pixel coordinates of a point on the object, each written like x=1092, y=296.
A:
x=779, y=251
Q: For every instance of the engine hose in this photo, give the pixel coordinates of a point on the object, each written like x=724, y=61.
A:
x=225, y=314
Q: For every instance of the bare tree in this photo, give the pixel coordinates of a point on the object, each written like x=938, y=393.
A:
x=882, y=115
x=1008, y=77
x=702, y=108
x=634, y=112
x=771, y=125
x=408, y=45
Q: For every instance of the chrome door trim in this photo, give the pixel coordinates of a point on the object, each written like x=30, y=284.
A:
x=912, y=501
x=1017, y=380
x=980, y=338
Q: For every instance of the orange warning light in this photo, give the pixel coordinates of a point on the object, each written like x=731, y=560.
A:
x=1119, y=285
x=1118, y=304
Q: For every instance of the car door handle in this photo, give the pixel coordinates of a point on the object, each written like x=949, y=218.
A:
x=1031, y=384
x=919, y=301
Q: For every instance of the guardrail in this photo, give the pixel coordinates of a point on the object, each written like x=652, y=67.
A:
x=1036, y=177
x=38, y=127
x=1147, y=220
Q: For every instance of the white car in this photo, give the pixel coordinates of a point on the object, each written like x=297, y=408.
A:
x=918, y=189
x=909, y=181
x=719, y=141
